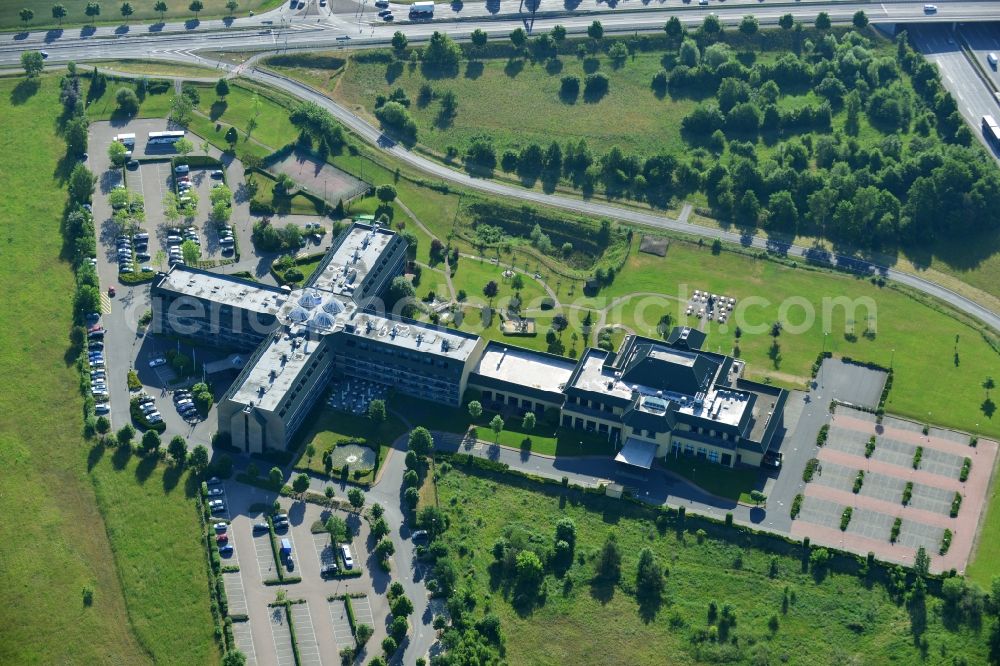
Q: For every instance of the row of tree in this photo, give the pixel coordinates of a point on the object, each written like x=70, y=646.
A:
x=93, y=9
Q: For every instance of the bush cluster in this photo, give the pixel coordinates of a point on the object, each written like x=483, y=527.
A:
x=897, y=525
x=796, y=506
x=966, y=468
x=807, y=473
x=917, y=456
x=907, y=493
x=956, y=504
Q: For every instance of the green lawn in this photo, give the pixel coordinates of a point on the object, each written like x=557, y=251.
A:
x=985, y=563
x=273, y=127
x=154, y=68
x=732, y=483
x=329, y=426
x=105, y=107
x=54, y=539
x=283, y=205
x=837, y=620
x=158, y=548
x=177, y=10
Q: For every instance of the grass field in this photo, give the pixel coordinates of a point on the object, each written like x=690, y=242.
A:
x=55, y=540
x=329, y=426
x=105, y=107
x=837, y=620
x=177, y=10
x=160, y=554
x=157, y=68
x=985, y=564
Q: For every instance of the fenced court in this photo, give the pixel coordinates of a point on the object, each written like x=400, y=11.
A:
x=319, y=178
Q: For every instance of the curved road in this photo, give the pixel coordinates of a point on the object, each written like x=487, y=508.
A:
x=375, y=136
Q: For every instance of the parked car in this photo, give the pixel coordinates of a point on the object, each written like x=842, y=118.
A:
x=154, y=417
x=419, y=535
x=217, y=174
x=111, y=292
x=261, y=527
x=226, y=549
x=222, y=538
x=283, y=517
x=214, y=481
x=102, y=408
x=215, y=492
x=157, y=362
x=348, y=560
x=221, y=527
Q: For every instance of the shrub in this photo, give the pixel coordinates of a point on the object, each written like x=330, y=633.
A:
x=845, y=518
x=907, y=492
x=917, y=455
x=870, y=447
x=807, y=473
x=956, y=504
x=134, y=384
x=859, y=480
x=896, y=526
x=966, y=467
x=822, y=435
x=796, y=506
x=945, y=542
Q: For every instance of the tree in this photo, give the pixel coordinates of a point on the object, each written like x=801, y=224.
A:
x=389, y=646
x=433, y=520
x=528, y=423
x=479, y=39
x=401, y=606
x=989, y=385
x=196, y=6
x=399, y=41
x=518, y=37
x=609, y=562
x=126, y=10
x=301, y=483
x=356, y=498
x=181, y=110
x=379, y=528
x=26, y=16
x=363, y=633
x=191, y=252
x=33, y=63
x=822, y=21
x=92, y=9
x=231, y=5
x=595, y=31
x=711, y=25
x=59, y=13
x=496, y=425
x=529, y=569
x=490, y=290
x=125, y=434
x=161, y=8
x=385, y=193
x=674, y=28
x=921, y=562
x=786, y=21
x=232, y=136
x=276, y=477
x=860, y=19
x=558, y=33
x=199, y=458
x=117, y=153
x=475, y=409
x=376, y=412
x=749, y=25
x=128, y=101
x=102, y=425
x=689, y=54
x=441, y=52
x=648, y=576
x=758, y=497
x=234, y=658
x=420, y=441
x=81, y=184
x=150, y=441
x=337, y=527
x=184, y=147
x=177, y=449
x=222, y=88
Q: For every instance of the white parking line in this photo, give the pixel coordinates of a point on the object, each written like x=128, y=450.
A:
x=244, y=641
x=305, y=634
x=341, y=625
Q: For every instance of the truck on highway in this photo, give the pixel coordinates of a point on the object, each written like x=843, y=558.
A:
x=422, y=10
x=991, y=131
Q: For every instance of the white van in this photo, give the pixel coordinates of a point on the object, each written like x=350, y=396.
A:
x=992, y=59
x=348, y=560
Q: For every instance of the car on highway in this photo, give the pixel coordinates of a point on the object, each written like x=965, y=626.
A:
x=45, y=54
x=930, y=9
x=992, y=59
x=382, y=4
x=157, y=362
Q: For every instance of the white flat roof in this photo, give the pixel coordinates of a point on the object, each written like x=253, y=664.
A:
x=524, y=367
x=275, y=371
x=356, y=255
x=221, y=289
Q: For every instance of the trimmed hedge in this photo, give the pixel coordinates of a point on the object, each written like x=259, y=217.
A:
x=796, y=506
x=136, y=278
x=897, y=525
x=807, y=473
x=140, y=419
x=823, y=433
x=859, y=481
x=845, y=518
x=966, y=468
x=870, y=447
x=956, y=504
x=945, y=542
x=917, y=456
x=907, y=493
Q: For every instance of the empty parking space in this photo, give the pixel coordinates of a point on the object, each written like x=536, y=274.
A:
x=324, y=548
x=341, y=626
x=305, y=634
x=362, y=608
x=820, y=512
x=868, y=523
x=244, y=641
x=941, y=463
x=883, y=487
x=282, y=637
x=265, y=557
x=933, y=499
x=235, y=593
x=914, y=535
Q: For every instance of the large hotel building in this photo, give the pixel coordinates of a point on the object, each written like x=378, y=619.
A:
x=652, y=398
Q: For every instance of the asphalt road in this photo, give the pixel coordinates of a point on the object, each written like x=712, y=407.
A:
x=282, y=28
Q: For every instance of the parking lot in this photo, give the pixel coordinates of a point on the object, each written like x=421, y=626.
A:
x=341, y=625
x=886, y=475
x=305, y=635
x=244, y=641
x=281, y=636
